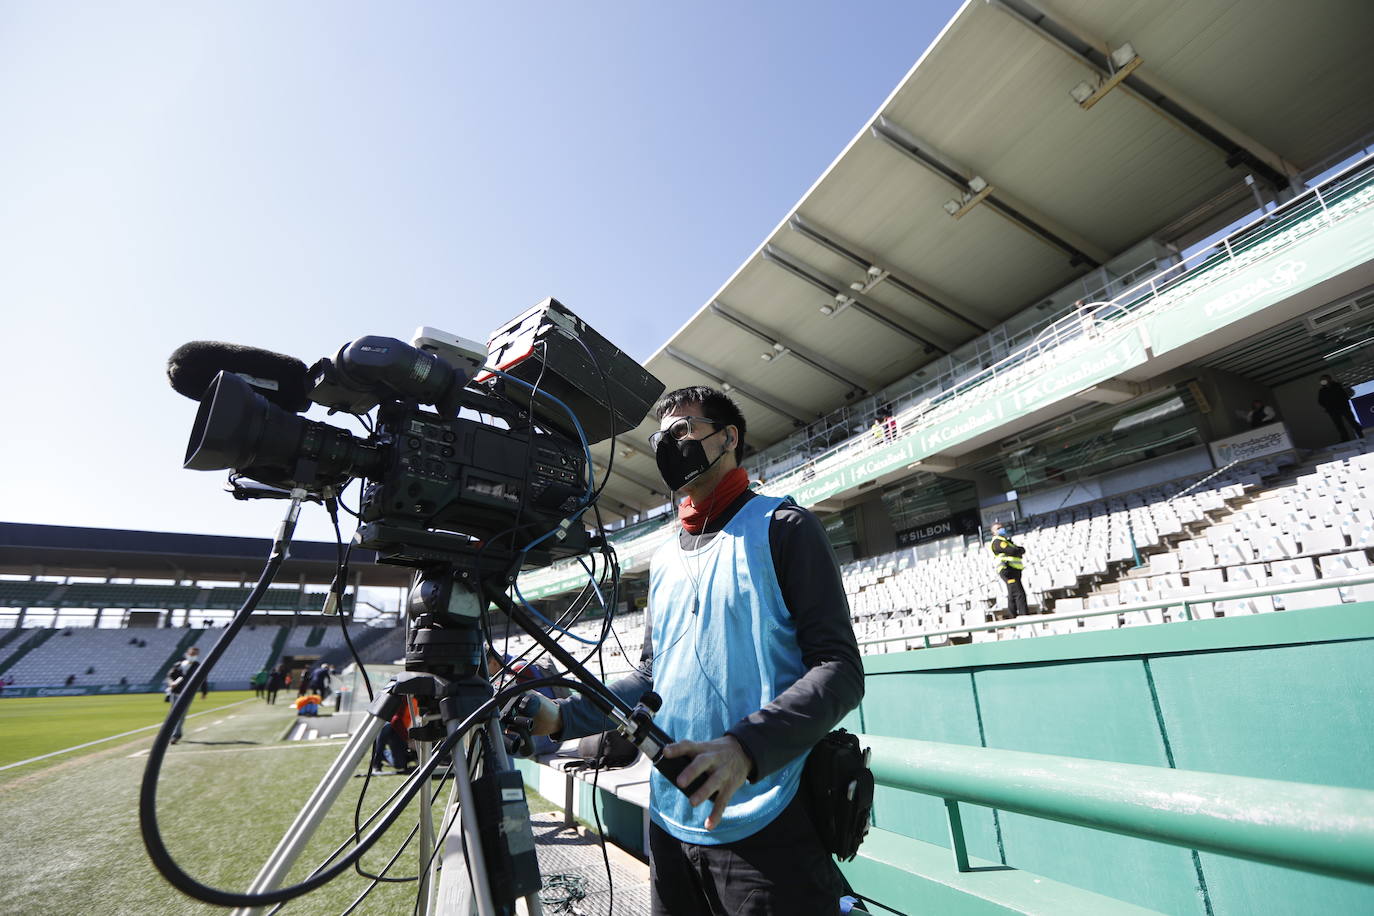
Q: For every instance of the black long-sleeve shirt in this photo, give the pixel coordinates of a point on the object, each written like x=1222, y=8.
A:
x=812, y=589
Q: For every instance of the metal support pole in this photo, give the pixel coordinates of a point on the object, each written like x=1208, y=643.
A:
x=458, y=896
x=424, y=750
x=568, y=819
x=956, y=835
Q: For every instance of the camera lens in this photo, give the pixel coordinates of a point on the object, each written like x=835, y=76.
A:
x=240, y=429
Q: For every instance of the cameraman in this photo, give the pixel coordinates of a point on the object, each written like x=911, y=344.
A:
x=745, y=711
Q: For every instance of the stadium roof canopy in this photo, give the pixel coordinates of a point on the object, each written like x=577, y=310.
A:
x=58, y=550
x=1053, y=157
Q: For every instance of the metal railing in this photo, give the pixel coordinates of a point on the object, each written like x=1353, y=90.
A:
x=1319, y=829
x=1186, y=605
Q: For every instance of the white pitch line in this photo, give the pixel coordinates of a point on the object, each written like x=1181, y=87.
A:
x=294, y=745
x=77, y=747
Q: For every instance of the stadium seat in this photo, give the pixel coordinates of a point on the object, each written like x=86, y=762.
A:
x=1319, y=597
x=1344, y=564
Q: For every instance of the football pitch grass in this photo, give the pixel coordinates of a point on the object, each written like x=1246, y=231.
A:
x=227, y=794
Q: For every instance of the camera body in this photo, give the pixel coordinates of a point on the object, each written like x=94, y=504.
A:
x=457, y=475
x=456, y=468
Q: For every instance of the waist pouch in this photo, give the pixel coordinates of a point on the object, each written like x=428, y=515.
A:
x=839, y=785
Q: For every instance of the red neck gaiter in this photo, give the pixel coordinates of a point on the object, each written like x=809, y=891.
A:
x=694, y=517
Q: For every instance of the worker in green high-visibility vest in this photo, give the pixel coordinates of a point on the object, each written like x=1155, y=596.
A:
x=1010, y=562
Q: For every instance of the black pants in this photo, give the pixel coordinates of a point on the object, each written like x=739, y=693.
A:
x=780, y=869
x=388, y=737
x=1016, y=595
x=1344, y=421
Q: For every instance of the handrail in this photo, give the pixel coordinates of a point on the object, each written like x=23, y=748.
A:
x=1185, y=602
x=1320, y=829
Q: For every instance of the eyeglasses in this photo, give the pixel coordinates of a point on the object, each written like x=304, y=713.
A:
x=680, y=429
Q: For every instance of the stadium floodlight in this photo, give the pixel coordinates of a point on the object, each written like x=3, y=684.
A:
x=1123, y=56
x=952, y=207
x=779, y=347
x=827, y=309
x=766, y=357
x=1082, y=92
x=977, y=184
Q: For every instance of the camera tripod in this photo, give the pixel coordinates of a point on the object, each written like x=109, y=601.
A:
x=491, y=862
x=457, y=700
x=488, y=862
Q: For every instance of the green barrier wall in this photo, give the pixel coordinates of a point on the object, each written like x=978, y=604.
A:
x=1281, y=696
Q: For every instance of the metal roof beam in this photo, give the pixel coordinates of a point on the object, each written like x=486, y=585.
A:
x=797, y=415
x=846, y=251
x=624, y=441
x=835, y=289
x=895, y=136
x=1064, y=38
x=658, y=488
x=847, y=377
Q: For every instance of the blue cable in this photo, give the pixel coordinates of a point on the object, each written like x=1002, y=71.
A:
x=582, y=436
x=591, y=577
x=546, y=621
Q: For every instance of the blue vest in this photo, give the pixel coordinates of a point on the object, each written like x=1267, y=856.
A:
x=724, y=647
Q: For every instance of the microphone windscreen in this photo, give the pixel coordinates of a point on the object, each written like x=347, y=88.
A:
x=279, y=378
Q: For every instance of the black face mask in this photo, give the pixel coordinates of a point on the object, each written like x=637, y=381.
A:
x=682, y=461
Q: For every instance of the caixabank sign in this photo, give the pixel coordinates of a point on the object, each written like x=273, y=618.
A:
x=1050, y=377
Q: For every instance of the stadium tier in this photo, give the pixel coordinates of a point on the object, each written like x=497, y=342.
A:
x=1102, y=273
x=88, y=657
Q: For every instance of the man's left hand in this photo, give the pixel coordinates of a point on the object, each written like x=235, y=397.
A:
x=725, y=764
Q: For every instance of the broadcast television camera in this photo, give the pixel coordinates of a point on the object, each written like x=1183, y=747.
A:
x=441, y=482
x=470, y=473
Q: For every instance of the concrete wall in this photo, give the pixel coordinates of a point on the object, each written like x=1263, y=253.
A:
x=1280, y=696
x=1194, y=462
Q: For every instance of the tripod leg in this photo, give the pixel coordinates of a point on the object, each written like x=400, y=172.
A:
x=424, y=893
x=316, y=807
x=459, y=896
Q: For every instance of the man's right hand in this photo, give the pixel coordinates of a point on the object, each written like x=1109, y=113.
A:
x=545, y=715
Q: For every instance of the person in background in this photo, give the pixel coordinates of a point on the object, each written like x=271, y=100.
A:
x=318, y=681
x=1259, y=414
x=1334, y=398
x=394, y=737
x=176, y=679
x=275, y=682
x=1010, y=563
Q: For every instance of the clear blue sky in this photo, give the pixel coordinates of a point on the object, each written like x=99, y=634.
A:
x=295, y=175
